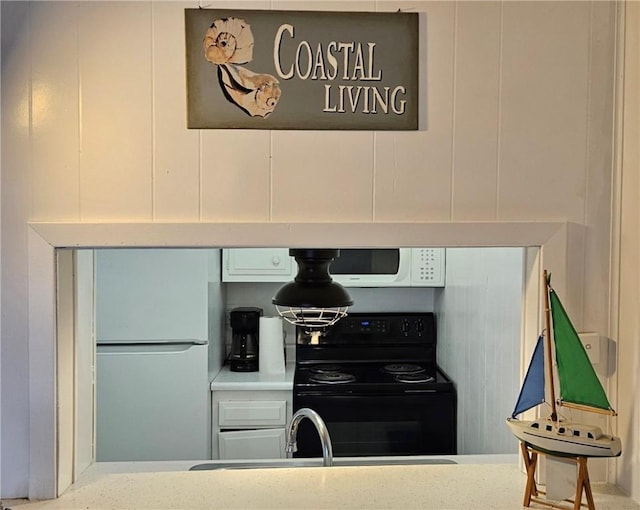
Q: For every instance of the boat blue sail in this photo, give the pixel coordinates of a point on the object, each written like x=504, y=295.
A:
x=532, y=391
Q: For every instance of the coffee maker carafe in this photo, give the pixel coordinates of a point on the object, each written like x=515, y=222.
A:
x=245, y=324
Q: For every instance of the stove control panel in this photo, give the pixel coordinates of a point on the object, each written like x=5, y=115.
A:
x=353, y=325
x=372, y=337
x=383, y=327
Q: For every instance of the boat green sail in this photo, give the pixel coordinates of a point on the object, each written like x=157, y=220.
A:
x=579, y=387
x=579, y=384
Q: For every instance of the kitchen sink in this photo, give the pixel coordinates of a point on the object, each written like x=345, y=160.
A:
x=317, y=462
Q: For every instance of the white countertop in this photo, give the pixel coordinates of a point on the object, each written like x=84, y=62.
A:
x=441, y=487
x=228, y=380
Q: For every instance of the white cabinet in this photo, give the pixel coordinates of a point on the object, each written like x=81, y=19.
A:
x=250, y=424
x=250, y=414
x=258, y=265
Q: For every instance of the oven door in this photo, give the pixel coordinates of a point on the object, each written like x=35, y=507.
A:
x=364, y=425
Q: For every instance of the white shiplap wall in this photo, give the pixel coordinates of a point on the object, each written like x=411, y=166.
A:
x=627, y=329
x=505, y=113
x=516, y=126
x=480, y=324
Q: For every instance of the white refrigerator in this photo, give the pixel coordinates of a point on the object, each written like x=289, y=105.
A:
x=152, y=382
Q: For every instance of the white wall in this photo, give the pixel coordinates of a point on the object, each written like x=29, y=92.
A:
x=519, y=127
x=14, y=385
x=626, y=251
x=480, y=324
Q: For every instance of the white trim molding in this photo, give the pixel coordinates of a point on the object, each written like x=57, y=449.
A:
x=42, y=373
x=296, y=235
x=557, y=239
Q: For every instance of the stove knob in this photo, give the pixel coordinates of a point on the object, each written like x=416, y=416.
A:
x=420, y=326
x=405, y=326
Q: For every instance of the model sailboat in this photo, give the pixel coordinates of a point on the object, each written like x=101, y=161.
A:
x=579, y=389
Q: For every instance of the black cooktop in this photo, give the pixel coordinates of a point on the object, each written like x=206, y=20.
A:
x=397, y=377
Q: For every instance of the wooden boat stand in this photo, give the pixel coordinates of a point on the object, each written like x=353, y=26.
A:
x=532, y=492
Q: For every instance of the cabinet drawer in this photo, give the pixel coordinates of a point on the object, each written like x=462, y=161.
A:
x=252, y=413
x=252, y=444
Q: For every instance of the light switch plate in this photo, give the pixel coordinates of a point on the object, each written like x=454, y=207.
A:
x=591, y=342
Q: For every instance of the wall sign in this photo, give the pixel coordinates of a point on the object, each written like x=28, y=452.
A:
x=252, y=69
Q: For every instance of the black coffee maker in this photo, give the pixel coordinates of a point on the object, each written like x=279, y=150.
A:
x=245, y=323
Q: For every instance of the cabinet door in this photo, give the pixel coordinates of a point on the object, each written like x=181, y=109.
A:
x=258, y=265
x=252, y=444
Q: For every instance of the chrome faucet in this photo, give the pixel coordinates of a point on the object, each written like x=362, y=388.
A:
x=292, y=432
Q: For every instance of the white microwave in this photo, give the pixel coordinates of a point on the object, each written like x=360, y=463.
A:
x=389, y=267
x=360, y=267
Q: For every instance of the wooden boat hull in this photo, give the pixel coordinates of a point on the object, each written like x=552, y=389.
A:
x=566, y=438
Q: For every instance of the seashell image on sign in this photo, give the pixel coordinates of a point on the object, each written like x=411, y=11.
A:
x=251, y=69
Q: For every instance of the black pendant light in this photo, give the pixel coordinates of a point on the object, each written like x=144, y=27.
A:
x=313, y=300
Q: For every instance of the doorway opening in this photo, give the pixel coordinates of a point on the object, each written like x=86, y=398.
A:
x=479, y=313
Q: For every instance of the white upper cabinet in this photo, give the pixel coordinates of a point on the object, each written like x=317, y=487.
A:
x=258, y=265
x=152, y=294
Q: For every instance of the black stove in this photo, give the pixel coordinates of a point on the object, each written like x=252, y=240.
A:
x=374, y=380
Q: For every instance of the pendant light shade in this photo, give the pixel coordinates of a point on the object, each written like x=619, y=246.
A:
x=313, y=300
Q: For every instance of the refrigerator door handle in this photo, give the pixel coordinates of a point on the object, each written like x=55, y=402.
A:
x=153, y=342
x=149, y=348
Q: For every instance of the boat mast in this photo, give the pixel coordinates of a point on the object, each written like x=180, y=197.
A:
x=547, y=313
